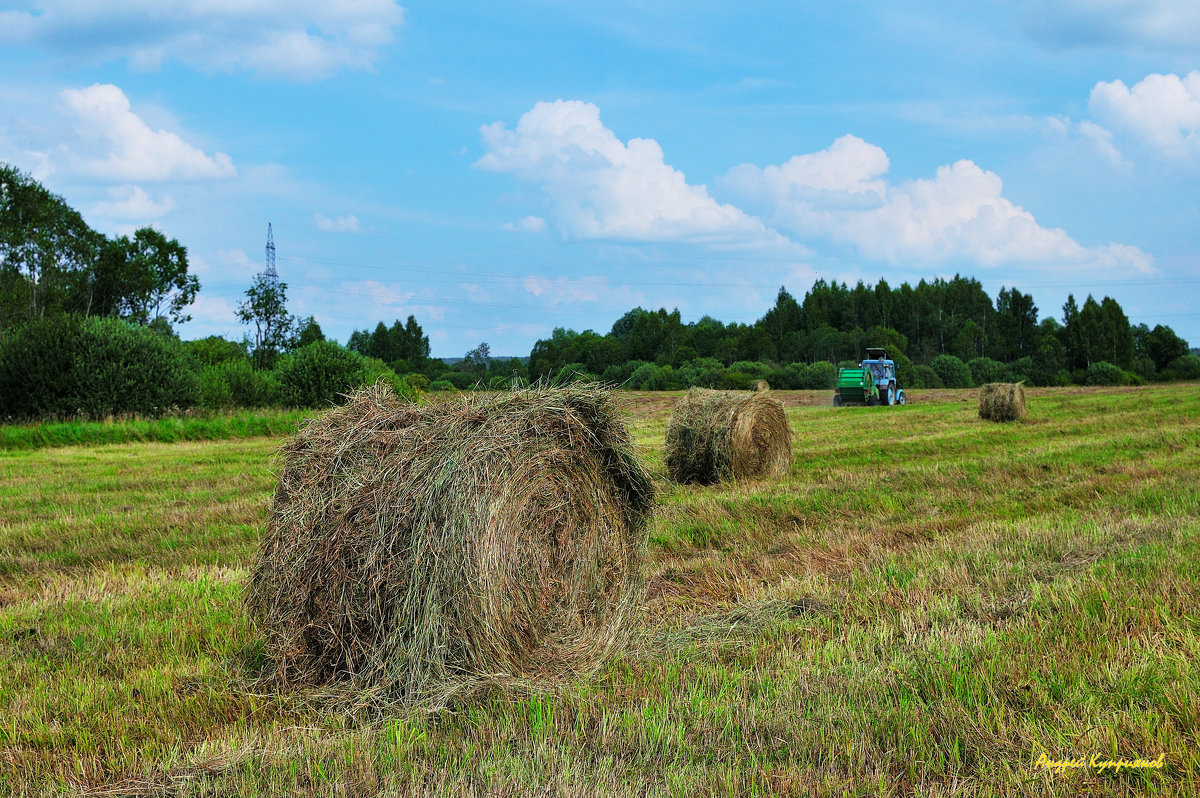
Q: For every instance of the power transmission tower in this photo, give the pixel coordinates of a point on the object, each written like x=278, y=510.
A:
x=270, y=272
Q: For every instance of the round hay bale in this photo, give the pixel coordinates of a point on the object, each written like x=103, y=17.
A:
x=1002, y=401
x=758, y=386
x=412, y=546
x=719, y=435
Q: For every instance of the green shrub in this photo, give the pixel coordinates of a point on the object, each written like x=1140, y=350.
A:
x=1018, y=371
x=753, y=370
x=418, y=381
x=460, y=380
x=93, y=367
x=652, y=377
x=819, y=376
x=213, y=350
x=572, y=372
x=235, y=383
x=734, y=381
x=985, y=369
x=321, y=373
x=215, y=392
x=926, y=377
x=1186, y=367
x=703, y=372
x=1105, y=373
x=441, y=385
x=951, y=371
x=620, y=373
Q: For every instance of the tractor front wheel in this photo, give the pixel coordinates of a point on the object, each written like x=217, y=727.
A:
x=837, y=400
x=901, y=399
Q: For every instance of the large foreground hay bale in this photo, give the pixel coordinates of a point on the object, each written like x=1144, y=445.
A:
x=716, y=435
x=1002, y=401
x=412, y=546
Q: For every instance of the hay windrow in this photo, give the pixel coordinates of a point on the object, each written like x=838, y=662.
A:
x=1002, y=401
x=409, y=546
x=720, y=435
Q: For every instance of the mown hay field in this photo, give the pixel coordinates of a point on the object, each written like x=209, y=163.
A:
x=926, y=604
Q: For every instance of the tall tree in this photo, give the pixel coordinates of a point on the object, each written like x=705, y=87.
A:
x=44, y=247
x=265, y=306
x=142, y=279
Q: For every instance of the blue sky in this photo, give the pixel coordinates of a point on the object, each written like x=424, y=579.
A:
x=499, y=171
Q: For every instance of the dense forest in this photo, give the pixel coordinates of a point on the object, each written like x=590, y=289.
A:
x=941, y=333
x=87, y=328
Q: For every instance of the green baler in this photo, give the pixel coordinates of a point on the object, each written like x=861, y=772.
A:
x=854, y=387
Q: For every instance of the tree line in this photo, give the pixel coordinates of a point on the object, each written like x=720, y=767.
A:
x=87, y=328
x=941, y=333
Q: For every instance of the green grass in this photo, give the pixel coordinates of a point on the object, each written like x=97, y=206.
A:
x=926, y=604
x=203, y=427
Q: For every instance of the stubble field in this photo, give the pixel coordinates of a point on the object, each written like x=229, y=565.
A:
x=926, y=604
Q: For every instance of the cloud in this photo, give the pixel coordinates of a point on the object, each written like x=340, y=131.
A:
x=561, y=290
x=598, y=187
x=1171, y=25
x=124, y=148
x=295, y=40
x=342, y=224
x=1160, y=112
x=133, y=204
x=530, y=224
x=961, y=214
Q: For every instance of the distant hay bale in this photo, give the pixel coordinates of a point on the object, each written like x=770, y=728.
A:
x=718, y=435
x=1002, y=401
x=758, y=386
x=413, y=546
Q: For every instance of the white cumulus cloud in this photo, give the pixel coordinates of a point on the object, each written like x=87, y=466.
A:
x=529, y=224
x=116, y=144
x=295, y=40
x=598, y=187
x=1160, y=112
x=133, y=204
x=961, y=214
x=342, y=224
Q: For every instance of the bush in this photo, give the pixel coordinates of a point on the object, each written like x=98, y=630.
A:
x=753, y=370
x=651, y=377
x=702, y=372
x=1186, y=367
x=441, y=385
x=213, y=350
x=93, y=367
x=459, y=379
x=321, y=373
x=985, y=370
x=819, y=376
x=1018, y=371
x=572, y=372
x=418, y=381
x=1105, y=373
x=926, y=377
x=619, y=373
x=952, y=371
x=734, y=381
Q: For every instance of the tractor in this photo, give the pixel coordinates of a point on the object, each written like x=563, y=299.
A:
x=872, y=383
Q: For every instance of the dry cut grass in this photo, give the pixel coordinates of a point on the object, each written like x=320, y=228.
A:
x=925, y=605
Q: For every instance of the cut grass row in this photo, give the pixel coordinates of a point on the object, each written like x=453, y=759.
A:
x=925, y=604
x=204, y=427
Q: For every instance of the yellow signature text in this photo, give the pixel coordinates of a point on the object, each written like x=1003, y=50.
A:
x=1098, y=763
